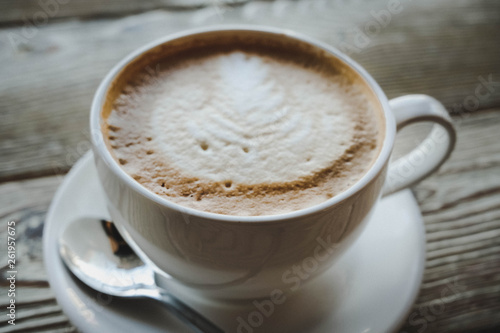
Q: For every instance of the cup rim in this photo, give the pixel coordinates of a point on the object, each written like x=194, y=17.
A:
x=100, y=147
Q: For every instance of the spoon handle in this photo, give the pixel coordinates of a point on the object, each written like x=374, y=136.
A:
x=185, y=313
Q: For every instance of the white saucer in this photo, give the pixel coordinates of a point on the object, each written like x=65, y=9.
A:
x=370, y=288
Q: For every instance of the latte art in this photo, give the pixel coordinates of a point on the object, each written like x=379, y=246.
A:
x=243, y=133
x=238, y=121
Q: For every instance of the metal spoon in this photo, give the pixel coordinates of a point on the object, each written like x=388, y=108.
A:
x=95, y=253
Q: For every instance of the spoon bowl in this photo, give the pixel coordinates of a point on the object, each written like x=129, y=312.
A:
x=97, y=255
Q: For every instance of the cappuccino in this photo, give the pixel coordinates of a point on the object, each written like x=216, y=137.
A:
x=244, y=128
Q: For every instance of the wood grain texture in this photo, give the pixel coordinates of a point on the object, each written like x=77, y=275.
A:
x=461, y=208
x=445, y=48
x=26, y=202
x=50, y=72
x=20, y=11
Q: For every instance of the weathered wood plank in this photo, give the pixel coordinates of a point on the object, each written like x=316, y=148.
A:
x=461, y=206
x=46, y=85
x=50, y=323
x=20, y=11
x=26, y=203
x=461, y=288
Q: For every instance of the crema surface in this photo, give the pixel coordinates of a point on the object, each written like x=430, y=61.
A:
x=243, y=133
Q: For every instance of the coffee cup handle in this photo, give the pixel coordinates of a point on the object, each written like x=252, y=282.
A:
x=428, y=156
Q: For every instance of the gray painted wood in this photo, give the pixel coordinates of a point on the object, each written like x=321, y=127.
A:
x=443, y=48
x=461, y=209
x=21, y=11
x=47, y=82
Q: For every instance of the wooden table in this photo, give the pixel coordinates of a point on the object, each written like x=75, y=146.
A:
x=52, y=59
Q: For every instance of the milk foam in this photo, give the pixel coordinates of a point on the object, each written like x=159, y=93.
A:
x=242, y=133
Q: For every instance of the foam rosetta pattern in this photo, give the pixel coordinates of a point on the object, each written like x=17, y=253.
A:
x=243, y=127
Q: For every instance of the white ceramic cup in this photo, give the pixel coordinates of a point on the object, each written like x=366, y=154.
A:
x=249, y=257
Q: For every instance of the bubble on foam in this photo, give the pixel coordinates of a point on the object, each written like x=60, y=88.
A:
x=204, y=145
x=113, y=128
